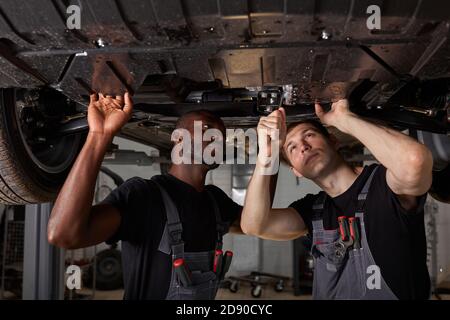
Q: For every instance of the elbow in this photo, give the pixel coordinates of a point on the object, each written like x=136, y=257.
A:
x=418, y=168
x=59, y=238
x=246, y=229
x=61, y=233
x=53, y=239
x=420, y=159
x=250, y=229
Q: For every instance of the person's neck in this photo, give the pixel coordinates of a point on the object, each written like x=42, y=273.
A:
x=192, y=174
x=338, y=180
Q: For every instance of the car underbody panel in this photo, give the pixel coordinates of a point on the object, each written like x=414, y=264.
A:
x=178, y=55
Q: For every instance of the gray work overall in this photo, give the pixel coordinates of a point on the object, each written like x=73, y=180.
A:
x=205, y=282
x=348, y=276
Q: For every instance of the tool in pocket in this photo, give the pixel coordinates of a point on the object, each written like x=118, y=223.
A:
x=345, y=241
x=183, y=272
x=354, y=232
x=227, y=257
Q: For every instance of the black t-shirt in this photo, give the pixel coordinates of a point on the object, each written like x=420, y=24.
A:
x=146, y=270
x=396, y=238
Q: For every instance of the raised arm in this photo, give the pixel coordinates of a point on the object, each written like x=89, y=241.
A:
x=74, y=222
x=258, y=218
x=408, y=163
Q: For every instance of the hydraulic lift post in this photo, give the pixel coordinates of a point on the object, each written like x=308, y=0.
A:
x=43, y=274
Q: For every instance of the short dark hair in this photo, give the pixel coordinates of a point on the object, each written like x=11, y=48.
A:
x=317, y=124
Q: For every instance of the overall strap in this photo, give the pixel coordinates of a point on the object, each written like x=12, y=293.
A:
x=363, y=194
x=319, y=203
x=318, y=206
x=221, y=227
x=173, y=229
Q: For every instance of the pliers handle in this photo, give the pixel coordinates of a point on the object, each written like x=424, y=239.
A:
x=354, y=232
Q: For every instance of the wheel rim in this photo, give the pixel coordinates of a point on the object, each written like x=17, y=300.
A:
x=108, y=267
x=55, y=155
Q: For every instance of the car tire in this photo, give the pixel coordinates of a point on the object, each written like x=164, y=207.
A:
x=109, y=270
x=26, y=177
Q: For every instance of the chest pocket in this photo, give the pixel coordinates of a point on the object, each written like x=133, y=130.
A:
x=205, y=282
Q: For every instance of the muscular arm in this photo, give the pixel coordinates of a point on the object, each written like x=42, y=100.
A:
x=236, y=226
x=258, y=217
x=409, y=164
x=74, y=222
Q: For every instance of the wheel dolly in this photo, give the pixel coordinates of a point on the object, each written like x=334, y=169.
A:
x=258, y=280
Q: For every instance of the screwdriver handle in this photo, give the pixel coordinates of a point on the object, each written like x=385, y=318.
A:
x=344, y=228
x=183, y=272
x=217, y=266
x=227, y=257
x=354, y=232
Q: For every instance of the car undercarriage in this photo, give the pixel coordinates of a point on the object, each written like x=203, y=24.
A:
x=238, y=59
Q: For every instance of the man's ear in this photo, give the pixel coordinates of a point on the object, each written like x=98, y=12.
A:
x=296, y=173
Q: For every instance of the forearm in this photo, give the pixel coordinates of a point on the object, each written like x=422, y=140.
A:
x=273, y=187
x=70, y=215
x=258, y=202
x=402, y=155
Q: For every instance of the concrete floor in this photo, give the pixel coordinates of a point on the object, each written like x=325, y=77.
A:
x=222, y=294
x=242, y=294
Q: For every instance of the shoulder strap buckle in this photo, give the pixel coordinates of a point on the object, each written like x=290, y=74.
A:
x=174, y=225
x=175, y=231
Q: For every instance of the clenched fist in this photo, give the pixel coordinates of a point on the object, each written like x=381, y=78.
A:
x=338, y=113
x=107, y=115
x=272, y=127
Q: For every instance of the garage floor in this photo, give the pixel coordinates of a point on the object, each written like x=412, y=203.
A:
x=223, y=294
x=244, y=294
